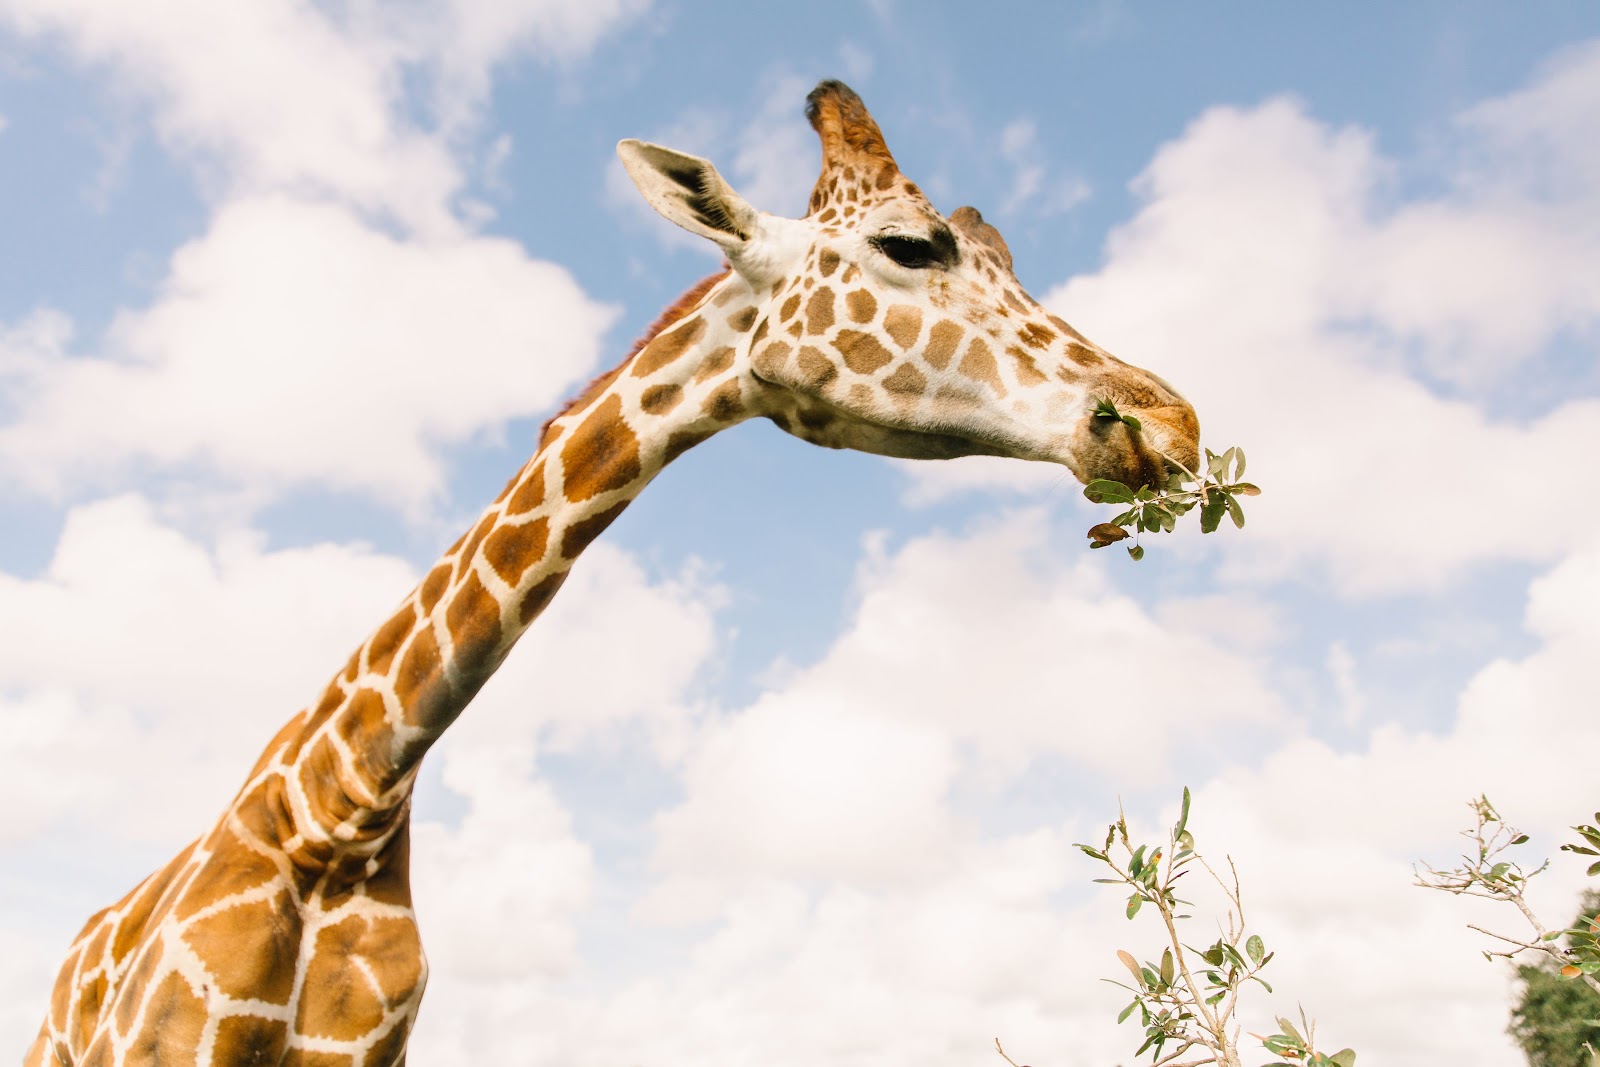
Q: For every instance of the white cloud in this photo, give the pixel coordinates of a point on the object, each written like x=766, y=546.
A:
x=464, y=40
x=293, y=344
x=1019, y=145
x=775, y=157
x=289, y=95
x=964, y=661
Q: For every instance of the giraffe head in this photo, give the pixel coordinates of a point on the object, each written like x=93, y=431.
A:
x=878, y=324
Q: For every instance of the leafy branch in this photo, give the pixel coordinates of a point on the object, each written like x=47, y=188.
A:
x=1486, y=871
x=1216, y=494
x=1187, y=1001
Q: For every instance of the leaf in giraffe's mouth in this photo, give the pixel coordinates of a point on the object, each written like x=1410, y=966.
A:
x=1216, y=492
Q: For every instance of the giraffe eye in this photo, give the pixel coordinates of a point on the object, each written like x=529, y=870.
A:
x=913, y=253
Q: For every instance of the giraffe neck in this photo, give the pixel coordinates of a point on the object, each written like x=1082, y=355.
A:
x=347, y=766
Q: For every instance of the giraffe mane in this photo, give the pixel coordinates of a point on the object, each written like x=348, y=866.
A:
x=674, y=312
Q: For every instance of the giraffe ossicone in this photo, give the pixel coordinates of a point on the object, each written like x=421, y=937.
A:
x=285, y=933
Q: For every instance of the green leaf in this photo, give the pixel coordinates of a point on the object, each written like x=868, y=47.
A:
x=1594, y=869
x=1127, y=1011
x=1263, y=981
x=1244, y=489
x=1133, y=905
x=1255, y=949
x=1136, y=551
x=1167, y=969
x=1107, y=491
x=1238, y=464
x=1211, y=513
x=1183, y=817
x=1497, y=872
x=1288, y=1028
x=1345, y=1057
x=1235, y=511
x=1520, y=839
x=1136, y=862
x=1105, y=409
x=1132, y=423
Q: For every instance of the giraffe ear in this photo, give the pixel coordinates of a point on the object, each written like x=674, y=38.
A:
x=688, y=190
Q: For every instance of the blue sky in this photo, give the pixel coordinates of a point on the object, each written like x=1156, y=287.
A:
x=286, y=291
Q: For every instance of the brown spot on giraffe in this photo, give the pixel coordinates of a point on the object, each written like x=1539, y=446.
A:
x=387, y=1049
x=1028, y=372
x=714, y=364
x=250, y=949
x=432, y=588
x=660, y=399
x=539, y=596
x=328, y=794
x=667, y=348
x=1083, y=355
x=246, y=869
x=773, y=354
x=263, y=812
x=337, y=1002
x=1035, y=336
x=578, y=536
x=602, y=454
x=249, y=1040
x=473, y=618
x=470, y=547
x=903, y=323
x=365, y=731
x=419, y=683
x=174, y=1020
x=790, y=306
x=851, y=273
x=941, y=346
x=530, y=493
x=819, y=311
x=724, y=403
x=827, y=262
x=1061, y=327
x=816, y=369
x=385, y=642
x=863, y=353
x=906, y=382
x=741, y=321
x=683, y=440
x=144, y=906
x=861, y=305
x=979, y=365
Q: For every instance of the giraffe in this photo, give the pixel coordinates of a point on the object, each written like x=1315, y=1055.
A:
x=285, y=933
